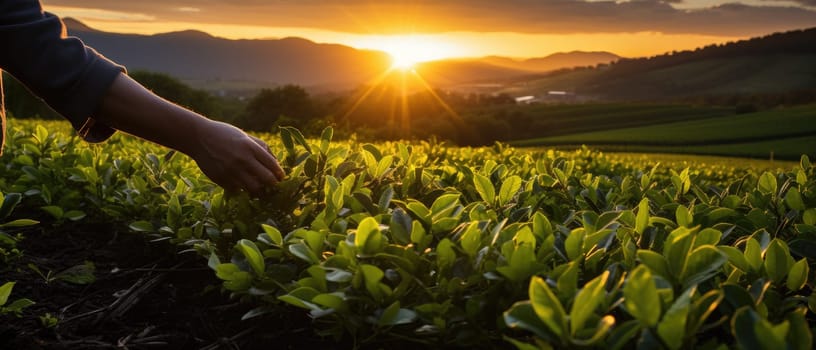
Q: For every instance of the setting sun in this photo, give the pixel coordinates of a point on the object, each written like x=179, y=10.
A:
x=408, y=50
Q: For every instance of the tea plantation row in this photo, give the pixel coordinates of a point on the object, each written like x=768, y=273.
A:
x=441, y=246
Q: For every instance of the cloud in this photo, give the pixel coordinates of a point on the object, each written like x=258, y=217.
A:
x=523, y=16
x=101, y=14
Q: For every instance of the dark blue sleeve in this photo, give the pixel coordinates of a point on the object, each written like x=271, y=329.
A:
x=69, y=76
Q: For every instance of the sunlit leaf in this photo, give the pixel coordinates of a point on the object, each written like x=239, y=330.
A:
x=642, y=216
x=640, y=297
x=484, y=187
x=586, y=301
x=547, y=307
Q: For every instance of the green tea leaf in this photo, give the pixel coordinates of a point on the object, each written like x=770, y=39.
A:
x=684, y=216
x=445, y=254
x=142, y=226
x=800, y=336
x=20, y=223
x=754, y=332
x=383, y=165
x=253, y=255
x=508, y=189
x=301, y=297
x=702, y=264
x=303, y=252
x=798, y=275
x=804, y=162
x=234, y=279
x=273, y=234
x=736, y=257
x=574, y=244
x=420, y=211
x=17, y=306
x=655, y=262
x=794, y=200
x=703, y=307
x=567, y=283
x=372, y=276
x=753, y=254
x=400, y=226
x=587, y=301
x=522, y=315
x=485, y=188
x=809, y=217
x=673, y=325
x=444, y=204
x=298, y=137
x=767, y=183
x=325, y=139
x=547, y=307
x=368, y=238
x=393, y=315
x=5, y=291
x=776, y=260
x=676, y=249
x=418, y=233
x=54, y=211
x=332, y=301
x=602, y=329
x=385, y=199
x=640, y=297
x=542, y=228
x=642, y=219
x=471, y=239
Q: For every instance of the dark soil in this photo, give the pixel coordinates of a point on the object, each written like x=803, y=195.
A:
x=146, y=296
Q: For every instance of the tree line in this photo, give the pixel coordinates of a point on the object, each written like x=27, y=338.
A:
x=378, y=113
x=385, y=111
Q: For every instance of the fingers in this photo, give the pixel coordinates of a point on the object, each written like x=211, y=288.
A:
x=261, y=170
x=267, y=159
x=238, y=161
x=250, y=183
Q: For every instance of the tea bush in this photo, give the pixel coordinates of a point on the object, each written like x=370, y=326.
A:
x=487, y=247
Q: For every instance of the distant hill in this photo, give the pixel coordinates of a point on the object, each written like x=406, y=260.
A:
x=555, y=61
x=777, y=63
x=197, y=56
x=457, y=71
x=496, y=68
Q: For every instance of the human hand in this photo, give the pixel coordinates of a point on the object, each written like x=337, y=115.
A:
x=235, y=160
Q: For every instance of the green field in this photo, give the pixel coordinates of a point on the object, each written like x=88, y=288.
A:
x=535, y=121
x=413, y=245
x=785, y=132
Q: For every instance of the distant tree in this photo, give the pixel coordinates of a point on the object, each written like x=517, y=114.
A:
x=263, y=111
x=174, y=90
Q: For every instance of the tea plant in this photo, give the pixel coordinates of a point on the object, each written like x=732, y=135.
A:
x=441, y=246
x=15, y=307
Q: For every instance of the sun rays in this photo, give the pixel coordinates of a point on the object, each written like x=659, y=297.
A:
x=397, y=83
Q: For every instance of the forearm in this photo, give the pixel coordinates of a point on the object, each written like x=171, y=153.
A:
x=131, y=108
x=224, y=153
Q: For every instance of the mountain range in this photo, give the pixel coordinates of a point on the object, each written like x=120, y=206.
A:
x=775, y=63
x=210, y=62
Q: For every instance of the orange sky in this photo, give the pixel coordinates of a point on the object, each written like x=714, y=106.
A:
x=458, y=28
